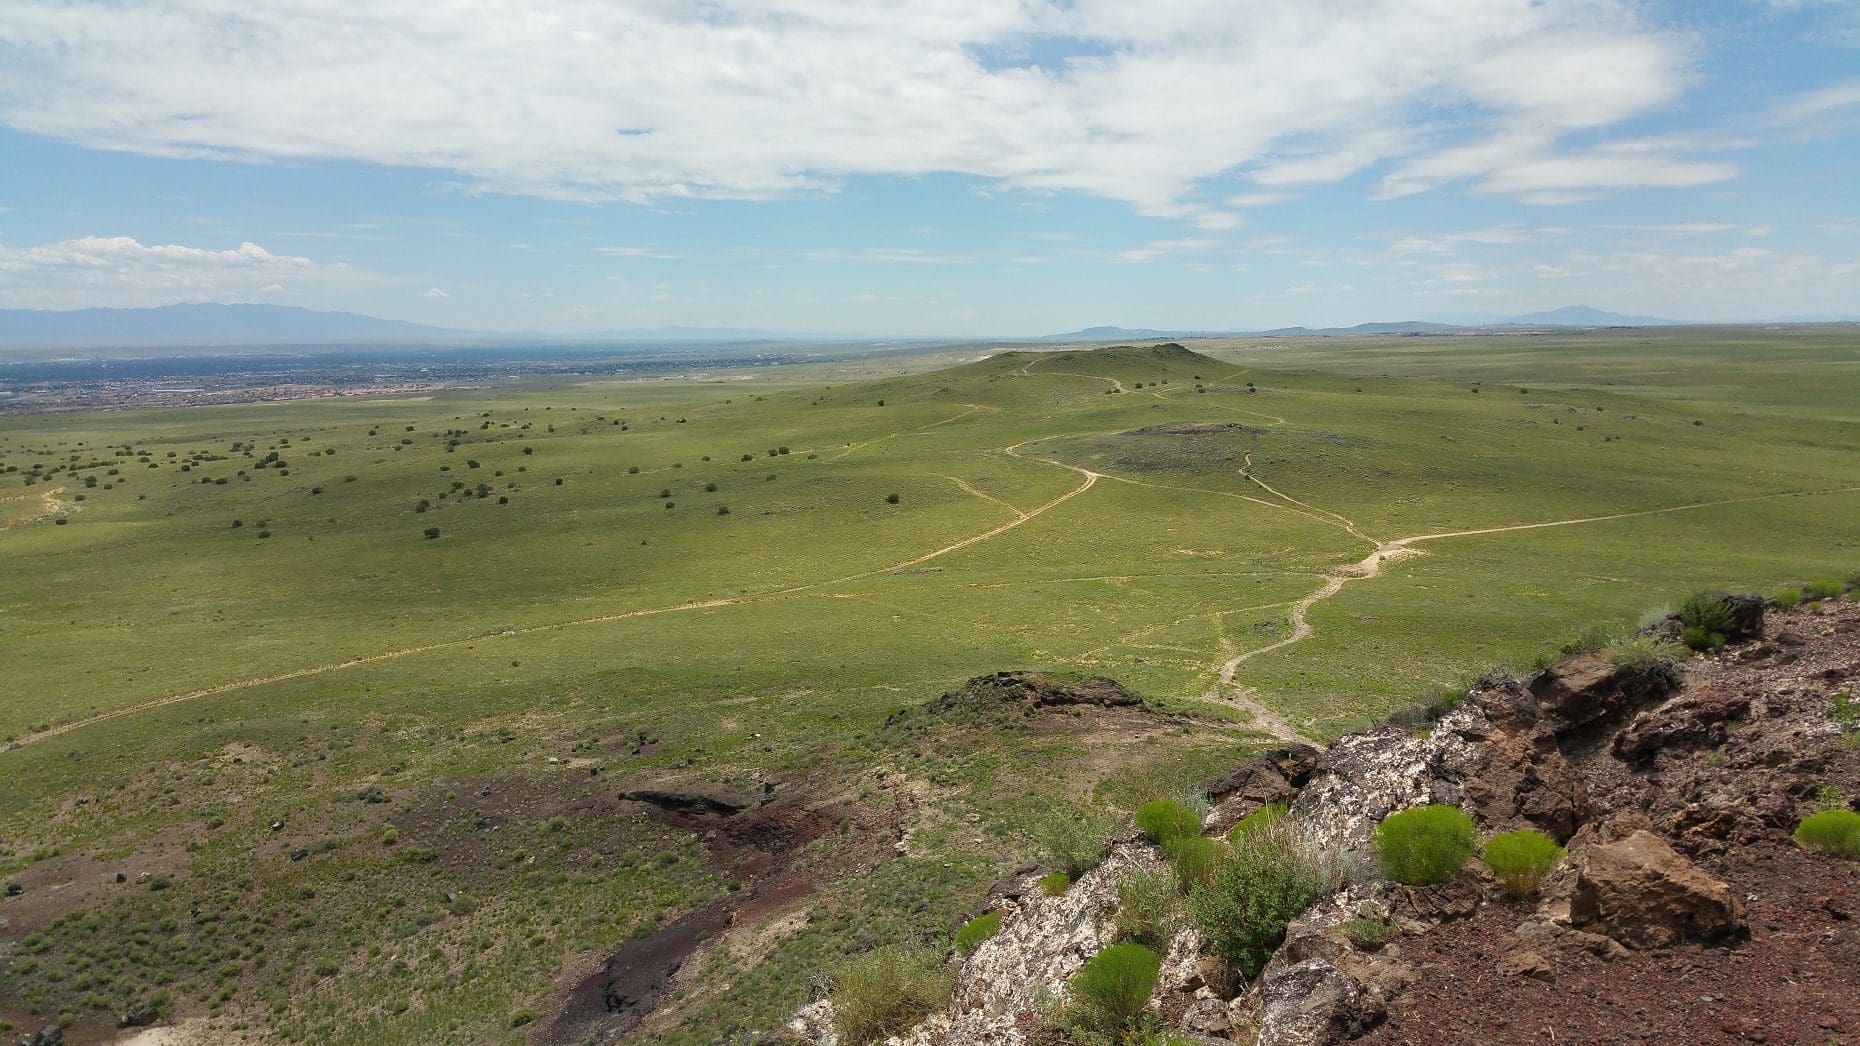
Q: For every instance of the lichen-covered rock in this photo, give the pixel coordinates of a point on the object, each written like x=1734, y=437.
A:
x=1641, y=892
x=813, y=1023
x=1321, y=987
x=1690, y=721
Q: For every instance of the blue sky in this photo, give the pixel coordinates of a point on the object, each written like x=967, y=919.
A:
x=970, y=167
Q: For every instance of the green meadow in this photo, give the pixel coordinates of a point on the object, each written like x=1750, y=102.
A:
x=232, y=634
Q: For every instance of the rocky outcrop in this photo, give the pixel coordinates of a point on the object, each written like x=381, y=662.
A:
x=1640, y=777
x=1274, y=777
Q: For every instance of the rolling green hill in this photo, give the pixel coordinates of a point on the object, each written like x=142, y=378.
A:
x=218, y=659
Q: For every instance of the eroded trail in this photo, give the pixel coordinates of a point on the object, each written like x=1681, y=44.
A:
x=1227, y=690
x=1091, y=478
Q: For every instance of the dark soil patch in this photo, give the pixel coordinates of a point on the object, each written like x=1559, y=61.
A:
x=780, y=842
x=1197, y=428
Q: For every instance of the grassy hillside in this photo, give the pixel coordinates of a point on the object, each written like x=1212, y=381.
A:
x=213, y=665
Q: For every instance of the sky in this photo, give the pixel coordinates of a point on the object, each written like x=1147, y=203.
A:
x=954, y=168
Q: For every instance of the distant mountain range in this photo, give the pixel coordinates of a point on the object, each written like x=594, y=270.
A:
x=170, y=329
x=281, y=326
x=1567, y=316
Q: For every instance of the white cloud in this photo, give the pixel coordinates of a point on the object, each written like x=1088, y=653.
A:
x=435, y=293
x=583, y=99
x=123, y=272
x=1158, y=248
x=630, y=252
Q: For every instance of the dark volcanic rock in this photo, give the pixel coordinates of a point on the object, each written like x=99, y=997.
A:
x=1694, y=720
x=1032, y=691
x=1274, y=777
x=1590, y=690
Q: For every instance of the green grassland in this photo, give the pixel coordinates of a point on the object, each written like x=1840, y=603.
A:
x=177, y=685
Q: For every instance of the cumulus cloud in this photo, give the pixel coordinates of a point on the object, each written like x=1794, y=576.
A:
x=124, y=272
x=1156, y=103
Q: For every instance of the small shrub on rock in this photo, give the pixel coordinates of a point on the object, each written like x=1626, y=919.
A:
x=887, y=991
x=1107, y=995
x=1055, y=883
x=1259, y=820
x=977, y=930
x=1706, y=618
x=1643, y=652
x=1163, y=821
x=1520, y=860
x=1272, y=877
x=1825, y=589
x=1369, y=931
x=1149, y=909
x=1425, y=844
x=1787, y=598
x=1196, y=859
x=1073, y=841
x=1832, y=832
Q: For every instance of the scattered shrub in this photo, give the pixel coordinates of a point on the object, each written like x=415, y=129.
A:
x=1709, y=613
x=1272, y=877
x=1196, y=859
x=1654, y=617
x=1787, y=598
x=431, y=533
x=1833, y=832
x=1053, y=884
x=1642, y=651
x=1824, y=589
x=1368, y=931
x=1425, y=844
x=977, y=930
x=1163, y=821
x=1149, y=908
x=1109, y=991
x=1521, y=859
x=1259, y=820
x=1073, y=841
x=891, y=499
x=1696, y=637
x=887, y=991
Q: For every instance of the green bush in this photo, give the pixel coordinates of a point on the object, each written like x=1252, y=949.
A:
x=1520, y=860
x=887, y=991
x=1425, y=844
x=1259, y=820
x=1643, y=651
x=1163, y=821
x=1270, y=879
x=1707, y=610
x=1698, y=638
x=1195, y=859
x=1109, y=991
x=977, y=930
x=1824, y=589
x=1788, y=598
x=1073, y=841
x=1149, y=909
x=1368, y=931
x=1835, y=832
x=1055, y=883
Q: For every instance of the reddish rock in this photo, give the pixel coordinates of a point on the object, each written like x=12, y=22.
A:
x=1641, y=892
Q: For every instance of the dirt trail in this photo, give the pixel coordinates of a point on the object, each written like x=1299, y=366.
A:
x=973, y=409
x=1372, y=566
x=1246, y=469
x=970, y=488
x=1091, y=478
